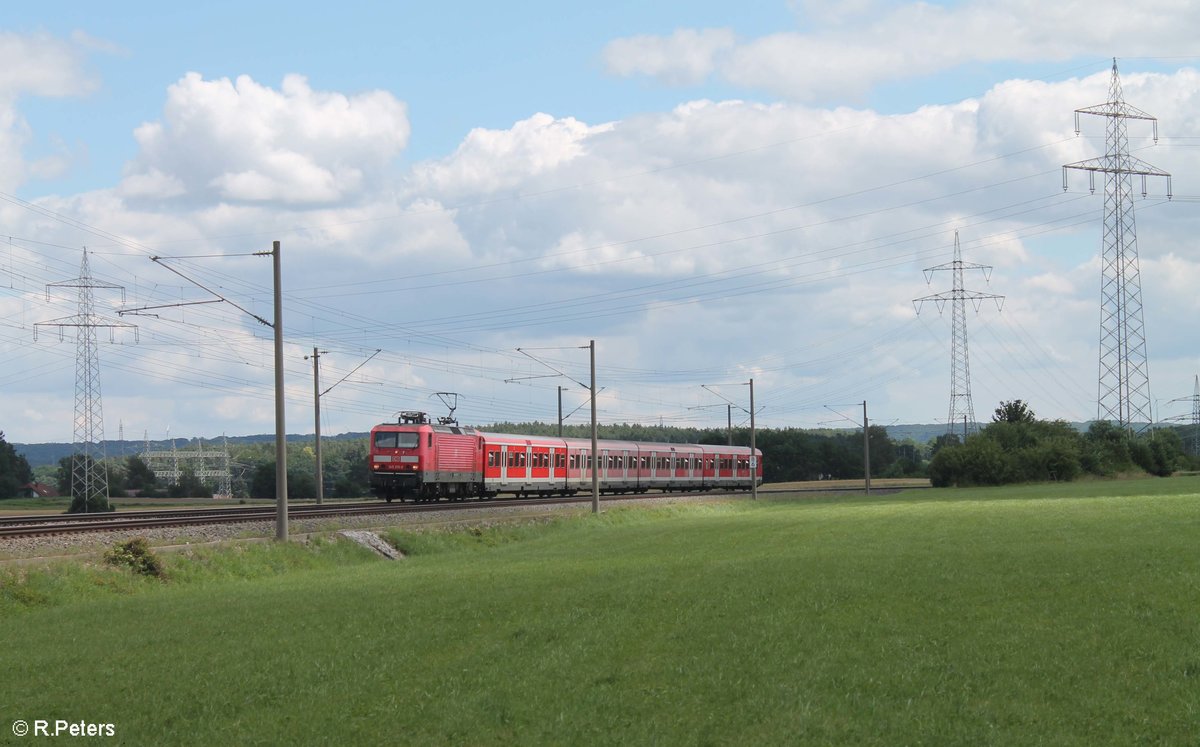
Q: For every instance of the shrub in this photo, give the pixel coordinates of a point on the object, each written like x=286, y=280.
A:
x=136, y=555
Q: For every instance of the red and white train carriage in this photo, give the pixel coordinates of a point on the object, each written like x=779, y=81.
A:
x=416, y=459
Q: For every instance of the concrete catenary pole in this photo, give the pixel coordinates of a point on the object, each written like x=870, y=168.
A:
x=281, y=505
x=866, y=451
x=753, y=455
x=316, y=356
x=595, y=439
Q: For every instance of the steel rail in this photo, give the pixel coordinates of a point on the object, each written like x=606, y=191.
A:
x=55, y=524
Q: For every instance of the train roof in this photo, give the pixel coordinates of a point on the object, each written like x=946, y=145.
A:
x=575, y=443
x=435, y=427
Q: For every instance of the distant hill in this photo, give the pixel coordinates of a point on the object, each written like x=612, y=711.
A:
x=51, y=453
x=925, y=433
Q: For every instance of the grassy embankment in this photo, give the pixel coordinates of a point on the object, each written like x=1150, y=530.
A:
x=1052, y=614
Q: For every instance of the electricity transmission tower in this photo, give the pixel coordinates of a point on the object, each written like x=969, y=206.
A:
x=1194, y=418
x=89, y=475
x=961, y=409
x=212, y=466
x=1124, y=380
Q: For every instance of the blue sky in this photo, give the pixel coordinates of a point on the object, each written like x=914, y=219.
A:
x=457, y=65
x=710, y=191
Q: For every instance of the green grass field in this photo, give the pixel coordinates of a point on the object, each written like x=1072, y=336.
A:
x=1018, y=616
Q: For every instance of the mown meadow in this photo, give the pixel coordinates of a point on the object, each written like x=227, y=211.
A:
x=1056, y=614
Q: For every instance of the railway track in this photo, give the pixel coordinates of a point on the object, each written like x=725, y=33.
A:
x=56, y=524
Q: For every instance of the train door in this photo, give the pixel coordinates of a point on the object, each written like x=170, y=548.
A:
x=539, y=463
x=555, y=473
x=516, y=463
x=560, y=466
x=583, y=458
x=492, y=465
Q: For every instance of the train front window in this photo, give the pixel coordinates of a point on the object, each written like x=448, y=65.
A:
x=396, y=440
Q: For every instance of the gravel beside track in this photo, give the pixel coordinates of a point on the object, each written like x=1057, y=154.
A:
x=91, y=543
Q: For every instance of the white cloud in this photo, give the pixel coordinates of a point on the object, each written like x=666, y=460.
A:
x=686, y=57
x=42, y=65
x=703, y=244
x=835, y=60
x=492, y=160
x=241, y=141
x=37, y=65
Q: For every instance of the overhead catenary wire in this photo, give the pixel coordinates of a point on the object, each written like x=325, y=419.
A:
x=452, y=334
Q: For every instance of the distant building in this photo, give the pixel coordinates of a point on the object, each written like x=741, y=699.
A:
x=37, y=490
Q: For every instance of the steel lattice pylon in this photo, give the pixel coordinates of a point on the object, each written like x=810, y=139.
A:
x=89, y=476
x=1124, y=378
x=961, y=408
x=1194, y=418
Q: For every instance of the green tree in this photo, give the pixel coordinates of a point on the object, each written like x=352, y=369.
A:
x=65, y=484
x=138, y=475
x=300, y=484
x=1014, y=411
x=14, y=470
x=189, y=486
x=262, y=481
x=62, y=478
x=1014, y=447
x=1159, y=452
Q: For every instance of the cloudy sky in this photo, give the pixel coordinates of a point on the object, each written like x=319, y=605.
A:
x=713, y=192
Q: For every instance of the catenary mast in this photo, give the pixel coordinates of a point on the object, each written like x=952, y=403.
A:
x=1124, y=371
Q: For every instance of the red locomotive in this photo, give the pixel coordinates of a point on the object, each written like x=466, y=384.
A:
x=415, y=459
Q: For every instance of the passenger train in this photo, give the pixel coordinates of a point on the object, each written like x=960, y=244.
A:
x=414, y=459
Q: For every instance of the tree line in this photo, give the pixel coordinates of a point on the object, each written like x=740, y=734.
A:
x=1015, y=447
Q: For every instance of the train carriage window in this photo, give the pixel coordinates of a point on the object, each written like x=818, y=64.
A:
x=430, y=441
x=560, y=460
x=395, y=440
